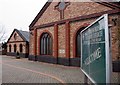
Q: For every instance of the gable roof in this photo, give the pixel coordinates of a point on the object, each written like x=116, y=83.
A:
x=113, y=5
x=23, y=34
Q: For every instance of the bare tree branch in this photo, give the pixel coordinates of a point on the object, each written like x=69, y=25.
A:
x=2, y=33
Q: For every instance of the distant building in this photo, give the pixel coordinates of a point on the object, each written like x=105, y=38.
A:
x=18, y=42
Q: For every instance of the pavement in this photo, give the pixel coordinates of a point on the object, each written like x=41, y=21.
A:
x=25, y=71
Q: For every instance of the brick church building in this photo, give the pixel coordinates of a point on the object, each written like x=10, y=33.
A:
x=55, y=31
x=18, y=42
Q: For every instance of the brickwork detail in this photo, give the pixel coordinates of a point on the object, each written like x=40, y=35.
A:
x=75, y=9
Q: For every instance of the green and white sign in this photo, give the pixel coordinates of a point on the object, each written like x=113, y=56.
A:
x=95, y=58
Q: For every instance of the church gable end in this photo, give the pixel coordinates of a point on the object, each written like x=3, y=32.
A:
x=56, y=11
x=15, y=36
x=50, y=15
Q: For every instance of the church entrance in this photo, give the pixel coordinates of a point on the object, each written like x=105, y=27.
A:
x=78, y=43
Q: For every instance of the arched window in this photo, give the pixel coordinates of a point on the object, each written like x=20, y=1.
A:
x=78, y=43
x=9, y=48
x=21, y=48
x=15, y=47
x=45, y=44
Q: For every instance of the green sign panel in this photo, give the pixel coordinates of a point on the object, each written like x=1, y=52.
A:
x=95, y=51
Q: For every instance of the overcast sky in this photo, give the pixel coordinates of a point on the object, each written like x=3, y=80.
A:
x=18, y=13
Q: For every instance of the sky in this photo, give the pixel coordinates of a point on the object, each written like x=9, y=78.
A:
x=18, y=14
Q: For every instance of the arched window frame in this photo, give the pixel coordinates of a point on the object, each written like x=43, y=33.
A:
x=46, y=44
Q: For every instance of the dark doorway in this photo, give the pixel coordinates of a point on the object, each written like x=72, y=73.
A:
x=78, y=42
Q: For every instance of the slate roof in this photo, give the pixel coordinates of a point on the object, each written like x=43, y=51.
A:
x=25, y=35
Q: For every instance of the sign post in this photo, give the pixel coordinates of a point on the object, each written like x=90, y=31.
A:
x=95, y=57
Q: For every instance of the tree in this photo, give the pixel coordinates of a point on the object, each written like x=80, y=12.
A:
x=2, y=33
x=4, y=45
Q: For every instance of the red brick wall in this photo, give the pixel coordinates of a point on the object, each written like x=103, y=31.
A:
x=83, y=8
x=73, y=10
x=114, y=46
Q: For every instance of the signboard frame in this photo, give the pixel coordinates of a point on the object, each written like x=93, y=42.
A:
x=108, y=59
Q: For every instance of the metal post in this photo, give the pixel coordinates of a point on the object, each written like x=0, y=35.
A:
x=85, y=80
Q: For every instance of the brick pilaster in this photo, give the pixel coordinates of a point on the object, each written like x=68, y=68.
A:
x=35, y=41
x=55, y=53
x=67, y=38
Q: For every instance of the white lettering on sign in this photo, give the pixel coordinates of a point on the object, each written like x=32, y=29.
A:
x=92, y=36
x=95, y=55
